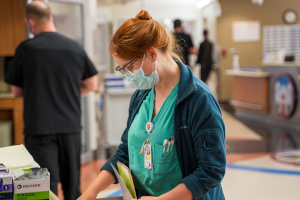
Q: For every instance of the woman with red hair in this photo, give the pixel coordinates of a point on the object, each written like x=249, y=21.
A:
x=174, y=142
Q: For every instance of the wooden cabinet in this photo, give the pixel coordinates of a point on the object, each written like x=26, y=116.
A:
x=12, y=109
x=12, y=26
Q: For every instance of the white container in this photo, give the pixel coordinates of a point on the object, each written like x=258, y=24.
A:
x=5, y=133
x=235, y=63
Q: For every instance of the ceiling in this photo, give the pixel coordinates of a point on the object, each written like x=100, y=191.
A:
x=110, y=2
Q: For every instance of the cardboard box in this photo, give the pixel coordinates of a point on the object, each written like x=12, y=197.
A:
x=31, y=184
x=6, y=184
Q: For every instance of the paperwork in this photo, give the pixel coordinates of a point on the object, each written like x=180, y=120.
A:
x=126, y=182
x=16, y=157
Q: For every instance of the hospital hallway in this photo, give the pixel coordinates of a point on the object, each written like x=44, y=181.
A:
x=263, y=162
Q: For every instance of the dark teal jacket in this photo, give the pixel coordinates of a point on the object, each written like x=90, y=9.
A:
x=199, y=135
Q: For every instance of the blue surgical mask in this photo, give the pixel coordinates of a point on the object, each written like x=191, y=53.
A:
x=143, y=82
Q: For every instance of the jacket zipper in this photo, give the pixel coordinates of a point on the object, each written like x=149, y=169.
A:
x=178, y=146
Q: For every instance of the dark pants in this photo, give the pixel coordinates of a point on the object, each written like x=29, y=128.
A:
x=205, y=70
x=60, y=154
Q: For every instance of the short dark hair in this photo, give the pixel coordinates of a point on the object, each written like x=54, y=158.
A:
x=39, y=13
x=205, y=32
x=177, y=23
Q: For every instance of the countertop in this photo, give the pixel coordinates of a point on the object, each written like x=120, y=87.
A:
x=120, y=91
x=284, y=64
x=6, y=95
x=255, y=74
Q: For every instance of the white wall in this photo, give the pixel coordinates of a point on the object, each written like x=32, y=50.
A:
x=158, y=9
x=161, y=9
x=208, y=12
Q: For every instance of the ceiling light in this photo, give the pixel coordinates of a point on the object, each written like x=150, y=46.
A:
x=203, y=3
x=167, y=22
x=259, y=2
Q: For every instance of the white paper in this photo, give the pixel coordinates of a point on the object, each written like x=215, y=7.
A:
x=16, y=157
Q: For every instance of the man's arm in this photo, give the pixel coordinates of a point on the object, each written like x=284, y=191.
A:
x=193, y=51
x=17, y=91
x=89, y=84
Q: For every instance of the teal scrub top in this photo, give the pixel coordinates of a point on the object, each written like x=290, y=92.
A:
x=166, y=173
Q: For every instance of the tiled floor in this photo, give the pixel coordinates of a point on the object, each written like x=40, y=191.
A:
x=254, y=170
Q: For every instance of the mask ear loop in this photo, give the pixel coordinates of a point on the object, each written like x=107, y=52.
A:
x=155, y=61
x=143, y=61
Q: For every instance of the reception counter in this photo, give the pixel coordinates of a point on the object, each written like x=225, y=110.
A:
x=270, y=96
x=250, y=90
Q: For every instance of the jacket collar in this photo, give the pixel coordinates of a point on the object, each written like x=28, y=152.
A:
x=186, y=83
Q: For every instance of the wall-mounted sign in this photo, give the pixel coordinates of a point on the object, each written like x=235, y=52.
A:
x=246, y=31
x=284, y=95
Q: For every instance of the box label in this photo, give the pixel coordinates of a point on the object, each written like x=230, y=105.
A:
x=32, y=196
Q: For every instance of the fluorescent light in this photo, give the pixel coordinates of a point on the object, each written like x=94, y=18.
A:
x=203, y=3
x=259, y=2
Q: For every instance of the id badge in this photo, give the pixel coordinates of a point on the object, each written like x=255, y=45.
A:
x=148, y=164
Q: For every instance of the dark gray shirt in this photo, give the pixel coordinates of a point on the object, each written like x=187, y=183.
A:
x=50, y=68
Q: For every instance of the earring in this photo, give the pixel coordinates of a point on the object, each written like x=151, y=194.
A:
x=154, y=58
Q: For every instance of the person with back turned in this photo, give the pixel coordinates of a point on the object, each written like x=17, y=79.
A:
x=205, y=57
x=51, y=72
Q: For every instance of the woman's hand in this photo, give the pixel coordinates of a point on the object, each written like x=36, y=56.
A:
x=179, y=192
x=104, y=179
x=87, y=195
x=148, y=198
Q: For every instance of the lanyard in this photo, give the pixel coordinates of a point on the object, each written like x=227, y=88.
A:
x=149, y=127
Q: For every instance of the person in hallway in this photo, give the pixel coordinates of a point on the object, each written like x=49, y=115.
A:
x=51, y=72
x=185, y=41
x=172, y=113
x=205, y=57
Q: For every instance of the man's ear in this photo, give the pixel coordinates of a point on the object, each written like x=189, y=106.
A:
x=31, y=22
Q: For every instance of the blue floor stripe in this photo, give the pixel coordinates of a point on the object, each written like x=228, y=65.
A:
x=265, y=170
x=116, y=194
